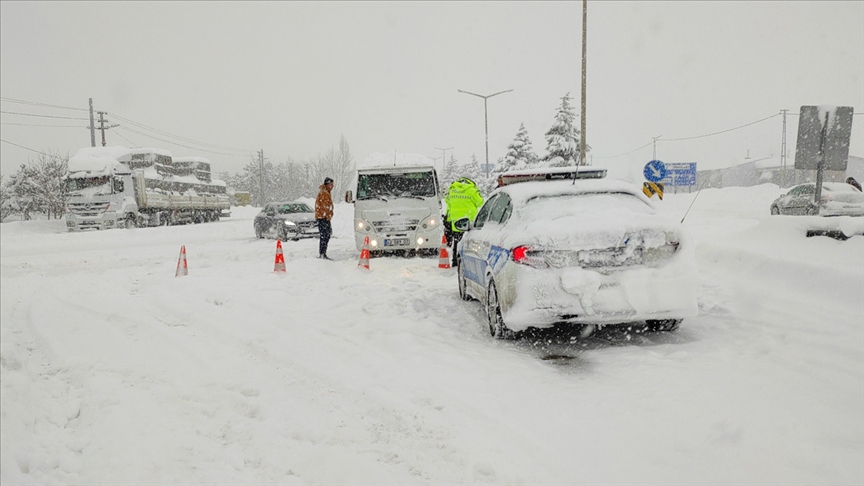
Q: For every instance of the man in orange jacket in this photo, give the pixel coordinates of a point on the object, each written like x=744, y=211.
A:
x=323, y=215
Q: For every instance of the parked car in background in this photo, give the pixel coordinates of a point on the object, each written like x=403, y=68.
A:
x=838, y=199
x=544, y=251
x=286, y=221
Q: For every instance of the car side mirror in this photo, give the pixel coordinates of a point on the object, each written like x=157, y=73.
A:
x=463, y=224
x=349, y=197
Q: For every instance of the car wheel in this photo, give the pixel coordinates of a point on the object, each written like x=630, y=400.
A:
x=663, y=325
x=493, y=315
x=775, y=211
x=280, y=234
x=463, y=292
x=131, y=222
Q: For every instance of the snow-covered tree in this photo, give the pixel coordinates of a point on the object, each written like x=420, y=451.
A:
x=562, y=139
x=49, y=172
x=5, y=200
x=472, y=169
x=520, y=153
x=451, y=173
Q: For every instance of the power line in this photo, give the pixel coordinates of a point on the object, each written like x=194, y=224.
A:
x=42, y=116
x=189, y=140
x=688, y=138
x=628, y=153
x=718, y=133
x=175, y=143
x=36, y=125
x=36, y=103
x=131, y=143
x=27, y=148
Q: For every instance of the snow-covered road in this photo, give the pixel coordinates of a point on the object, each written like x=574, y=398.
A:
x=116, y=372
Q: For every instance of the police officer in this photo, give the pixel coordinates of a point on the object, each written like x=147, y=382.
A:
x=463, y=201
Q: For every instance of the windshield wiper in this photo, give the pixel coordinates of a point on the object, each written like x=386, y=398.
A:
x=372, y=197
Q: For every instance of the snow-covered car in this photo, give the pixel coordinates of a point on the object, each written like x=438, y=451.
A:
x=286, y=221
x=584, y=252
x=838, y=199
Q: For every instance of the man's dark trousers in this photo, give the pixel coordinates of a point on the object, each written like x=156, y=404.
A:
x=324, y=231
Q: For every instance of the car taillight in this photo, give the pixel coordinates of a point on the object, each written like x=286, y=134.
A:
x=523, y=255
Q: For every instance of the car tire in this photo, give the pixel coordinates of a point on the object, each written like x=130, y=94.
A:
x=662, y=325
x=460, y=275
x=497, y=328
x=775, y=211
x=131, y=222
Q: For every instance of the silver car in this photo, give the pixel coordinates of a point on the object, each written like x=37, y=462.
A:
x=585, y=252
x=286, y=221
x=838, y=199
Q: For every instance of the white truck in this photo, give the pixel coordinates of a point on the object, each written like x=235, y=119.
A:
x=398, y=206
x=110, y=187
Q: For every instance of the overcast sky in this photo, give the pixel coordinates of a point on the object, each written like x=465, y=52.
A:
x=291, y=78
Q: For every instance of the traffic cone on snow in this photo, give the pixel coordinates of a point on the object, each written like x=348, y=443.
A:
x=443, y=254
x=280, y=258
x=182, y=267
x=364, y=255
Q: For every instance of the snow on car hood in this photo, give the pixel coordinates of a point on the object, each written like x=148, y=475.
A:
x=297, y=217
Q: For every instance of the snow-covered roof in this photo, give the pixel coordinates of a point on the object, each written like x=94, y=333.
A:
x=395, y=159
x=527, y=190
x=96, y=160
x=193, y=158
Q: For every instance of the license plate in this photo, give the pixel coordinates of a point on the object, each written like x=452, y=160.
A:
x=396, y=242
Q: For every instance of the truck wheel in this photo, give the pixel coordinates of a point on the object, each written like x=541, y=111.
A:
x=131, y=221
x=163, y=220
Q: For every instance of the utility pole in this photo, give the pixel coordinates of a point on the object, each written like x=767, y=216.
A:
x=486, y=117
x=102, y=126
x=92, y=127
x=783, y=150
x=443, y=156
x=584, y=58
x=261, y=177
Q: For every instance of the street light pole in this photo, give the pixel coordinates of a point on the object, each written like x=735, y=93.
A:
x=584, y=58
x=486, y=117
x=443, y=156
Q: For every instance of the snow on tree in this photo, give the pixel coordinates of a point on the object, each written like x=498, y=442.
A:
x=563, y=138
x=472, y=169
x=451, y=173
x=520, y=153
x=5, y=200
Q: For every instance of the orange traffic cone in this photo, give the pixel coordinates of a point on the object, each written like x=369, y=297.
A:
x=364, y=255
x=182, y=267
x=280, y=259
x=443, y=255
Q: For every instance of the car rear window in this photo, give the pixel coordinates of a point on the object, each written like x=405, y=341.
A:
x=550, y=207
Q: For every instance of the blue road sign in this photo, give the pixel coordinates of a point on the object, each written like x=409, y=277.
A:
x=655, y=171
x=680, y=174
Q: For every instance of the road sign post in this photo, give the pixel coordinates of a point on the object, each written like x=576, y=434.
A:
x=823, y=141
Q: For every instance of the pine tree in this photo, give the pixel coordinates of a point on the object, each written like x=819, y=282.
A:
x=562, y=139
x=451, y=173
x=520, y=153
x=472, y=169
